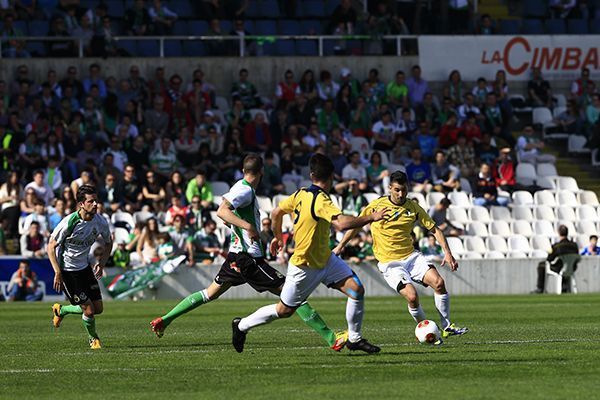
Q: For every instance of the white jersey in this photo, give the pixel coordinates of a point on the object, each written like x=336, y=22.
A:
x=243, y=199
x=75, y=237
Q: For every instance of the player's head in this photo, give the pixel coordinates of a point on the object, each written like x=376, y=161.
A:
x=563, y=231
x=253, y=165
x=87, y=199
x=321, y=171
x=398, y=187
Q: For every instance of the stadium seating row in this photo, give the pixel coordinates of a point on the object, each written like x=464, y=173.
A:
x=536, y=26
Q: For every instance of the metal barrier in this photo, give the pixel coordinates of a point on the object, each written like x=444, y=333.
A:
x=401, y=42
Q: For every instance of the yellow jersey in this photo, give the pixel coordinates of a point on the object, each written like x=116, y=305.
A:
x=312, y=211
x=391, y=235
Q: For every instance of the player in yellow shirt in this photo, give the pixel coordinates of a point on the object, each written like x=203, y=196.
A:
x=401, y=265
x=313, y=262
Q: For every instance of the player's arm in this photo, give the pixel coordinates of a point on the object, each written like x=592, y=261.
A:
x=277, y=222
x=343, y=222
x=225, y=212
x=347, y=237
x=55, y=265
x=448, y=257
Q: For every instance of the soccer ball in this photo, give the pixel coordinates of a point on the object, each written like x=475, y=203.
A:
x=427, y=332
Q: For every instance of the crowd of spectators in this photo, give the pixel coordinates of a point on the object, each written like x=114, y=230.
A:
x=160, y=148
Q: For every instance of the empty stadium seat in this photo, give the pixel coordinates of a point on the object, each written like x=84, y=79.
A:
x=181, y=28
x=253, y=9
x=371, y=196
x=536, y=253
x=545, y=198
x=566, y=198
x=434, y=198
x=576, y=144
x=577, y=26
x=544, y=228
x=522, y=212
x=582, y=240
x=522, y=228
x=477, y=228
x=39, y=28
x=494, y=254
x=474, y=244
x=197, y=27
x=265, y=203
x=567, y=183
x=586, y=227
x=532, y=27
x=546, y=182
x=173, y=48
x=496, y=243
x=290, y=187
x=519, y=243
x=219, y=188
x=289, y=27
x=269, y=9
x=588, y=197
x=420, y=199
x=123, y=219
x=541, y=243
x=544, y=213
x=460, y=199
x=595, y=25
x=535, y=8
x=566, y=213
x=471, y=255
x=587, y=213
x=522, y=198
x=519, y=103
x=265, y=27
x=546, y=169
x=307, y=47
x=311, y=27
x=115, y=8
x=359, y=144
x=148, y=48
x=510, y=26
x=555, y=26
x=313, y=8
x=517, y=254
x=456, y=245
x=499, y=213
x=458, y=215
x=525, y=174
x=285, y=47
x=500, y=228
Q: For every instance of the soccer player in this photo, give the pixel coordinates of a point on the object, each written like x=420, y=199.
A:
x=68, y=251
x=401, y=265
x=312, y=263
x=245, y=262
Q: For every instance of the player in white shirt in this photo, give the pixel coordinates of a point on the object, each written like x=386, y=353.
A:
x=245, y=261
x=68, y=252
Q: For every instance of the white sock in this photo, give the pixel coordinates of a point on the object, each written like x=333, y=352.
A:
x=262, y=316
x=354, y=316
x=442, y=303
x=417, y=313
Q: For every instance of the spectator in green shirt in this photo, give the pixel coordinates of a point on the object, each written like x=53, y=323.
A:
x=199, y=187
x=397, y=92
x=328, y=117
x=121, y=257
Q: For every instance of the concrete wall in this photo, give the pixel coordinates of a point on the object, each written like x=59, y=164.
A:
x=515, y=276
x=265, y=72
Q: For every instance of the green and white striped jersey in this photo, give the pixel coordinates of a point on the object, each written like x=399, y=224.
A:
x=242, y=197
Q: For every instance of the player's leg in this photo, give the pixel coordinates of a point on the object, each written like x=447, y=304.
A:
x=71, y=286
x=409, y=292
x=433, y=279
x=338, y=275
x=398, y=278
x=191, y=302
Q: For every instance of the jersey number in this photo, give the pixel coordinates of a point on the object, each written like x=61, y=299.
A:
x=297, y=212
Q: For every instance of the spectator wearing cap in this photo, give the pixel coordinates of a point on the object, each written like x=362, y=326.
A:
x=384, y=133
x=529, y=148
x=396, y=91
x=354, y=170
x=439, y=214
x=257, y=136
x=245, y=91
x=417, y=86
x=503, y=171
x=42, y=190
x=418, y=172
x=485, y=190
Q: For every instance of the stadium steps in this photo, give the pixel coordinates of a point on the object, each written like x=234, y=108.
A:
x=588, y=177
x=495, y=8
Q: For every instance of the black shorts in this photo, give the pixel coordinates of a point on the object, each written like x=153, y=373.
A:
x=81, y=286
x=240, y=268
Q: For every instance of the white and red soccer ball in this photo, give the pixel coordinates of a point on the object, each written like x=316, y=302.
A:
x=427, y=332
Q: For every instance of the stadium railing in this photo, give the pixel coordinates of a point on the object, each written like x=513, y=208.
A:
x=324, y=42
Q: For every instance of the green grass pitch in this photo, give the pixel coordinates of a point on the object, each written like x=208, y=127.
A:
x=519, y=347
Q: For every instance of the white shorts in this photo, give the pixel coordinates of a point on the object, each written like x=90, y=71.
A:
x=402, y=272
x=301, y=282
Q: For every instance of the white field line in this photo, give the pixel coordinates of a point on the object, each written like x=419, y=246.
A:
x=148, y=352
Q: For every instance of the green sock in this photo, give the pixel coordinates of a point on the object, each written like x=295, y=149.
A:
x=314, y=320
x=194, y=300
x=65, y=310
x=90, y=326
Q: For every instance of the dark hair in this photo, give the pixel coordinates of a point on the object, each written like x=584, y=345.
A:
x=253, y=163
x=164, y=236
x=592, y=237
x=399, y=177
x=563, y=230
x=321, y=167
x=83, y=191
x=445, y=202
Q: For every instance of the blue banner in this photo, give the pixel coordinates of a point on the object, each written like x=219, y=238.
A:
x=41, y=266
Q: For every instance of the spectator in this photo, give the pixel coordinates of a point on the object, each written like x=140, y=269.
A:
x=42, y=190
x=439, y=215
x=472, y=130
x=568, y=121
x=455, y=89
x=30, y=152
x=95, y=79
x=23, y=285
x=344, y=104
x=164, y=159
x=485, y=191
x=271, y=183
x=72, y=80
x=147, y=244
x=397, y=91
x=230, y=163
x=182, y=238
x=495, y=121
x=353, y=201
x=287, y=90
x=540, y=93
x=407, y=125
x=384, y=133
x=39, y=216
x=485, y=151
x=327, y=87
x=346, y=79
x=110, y=193
x=57, y=214
x=417, y=86
x=131, y=189
x=355, y=171
x=137, y=19
x=121, y=258
x=427, y=111
x=463, y=156
x=59, y=48
x=153, y=193
x=308, y=87
x=257, y=136
x=580, y=86
x=445, y=176
x=480, y=92
x=14, y=48
x=449, y=132
x=418, y=172
x=343, y=18
x=52, y=148
x=238, y=116
x=240, y=30
x=175, y=186
x=198, y=186
x=562, y=247
x=561, y=8
x=162, y=18
x=468, y=107
x=217, y=47
x=486, y=25
x=426, y=140
x=328, y=118
x=196, y=215
x=33, y=243
x=503, y=171
x=10, y=194
x=432, y=249
x=266, y=236
x=166, y=247
x=206, y=243
x=360, y=120
x=245, y=91
x=592, y=112
x=378, y=175
x=528, y=148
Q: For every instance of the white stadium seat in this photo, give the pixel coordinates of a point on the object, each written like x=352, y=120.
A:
x=471, y=255
x=566, y=213
x=287, y=224
x=586, y=228
x=496, y=243
x=465, y=186
x=479, y=213
x=588, y=197
x=500, y=213
x=125, y=218
x=494, y=254
x=121, y=235
x=546, y=169
x=522, y=198
x=516, y=254
x=544, y=228
x=519, y=243
x=541, y=243
x=371, y=196
x=265, y=204
x=576, y=144
x=456, y=245
x=582, y=240
x=567, y=183
x=434, y=198
x=458, y=215
x=587, y=213
x=522, y=228
x=420, y=199
x=546, y=182
x=474, y=244
x=460, y=199
x=290, y=187
x=477, y=228
x=539, y=254
x=544, y=213
x=360, y=144
x=219, y=188
x=525, y=174
x=500, y=228
x=567, y=198
x=544, y=198
x=278, y=198
x=522, y=212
